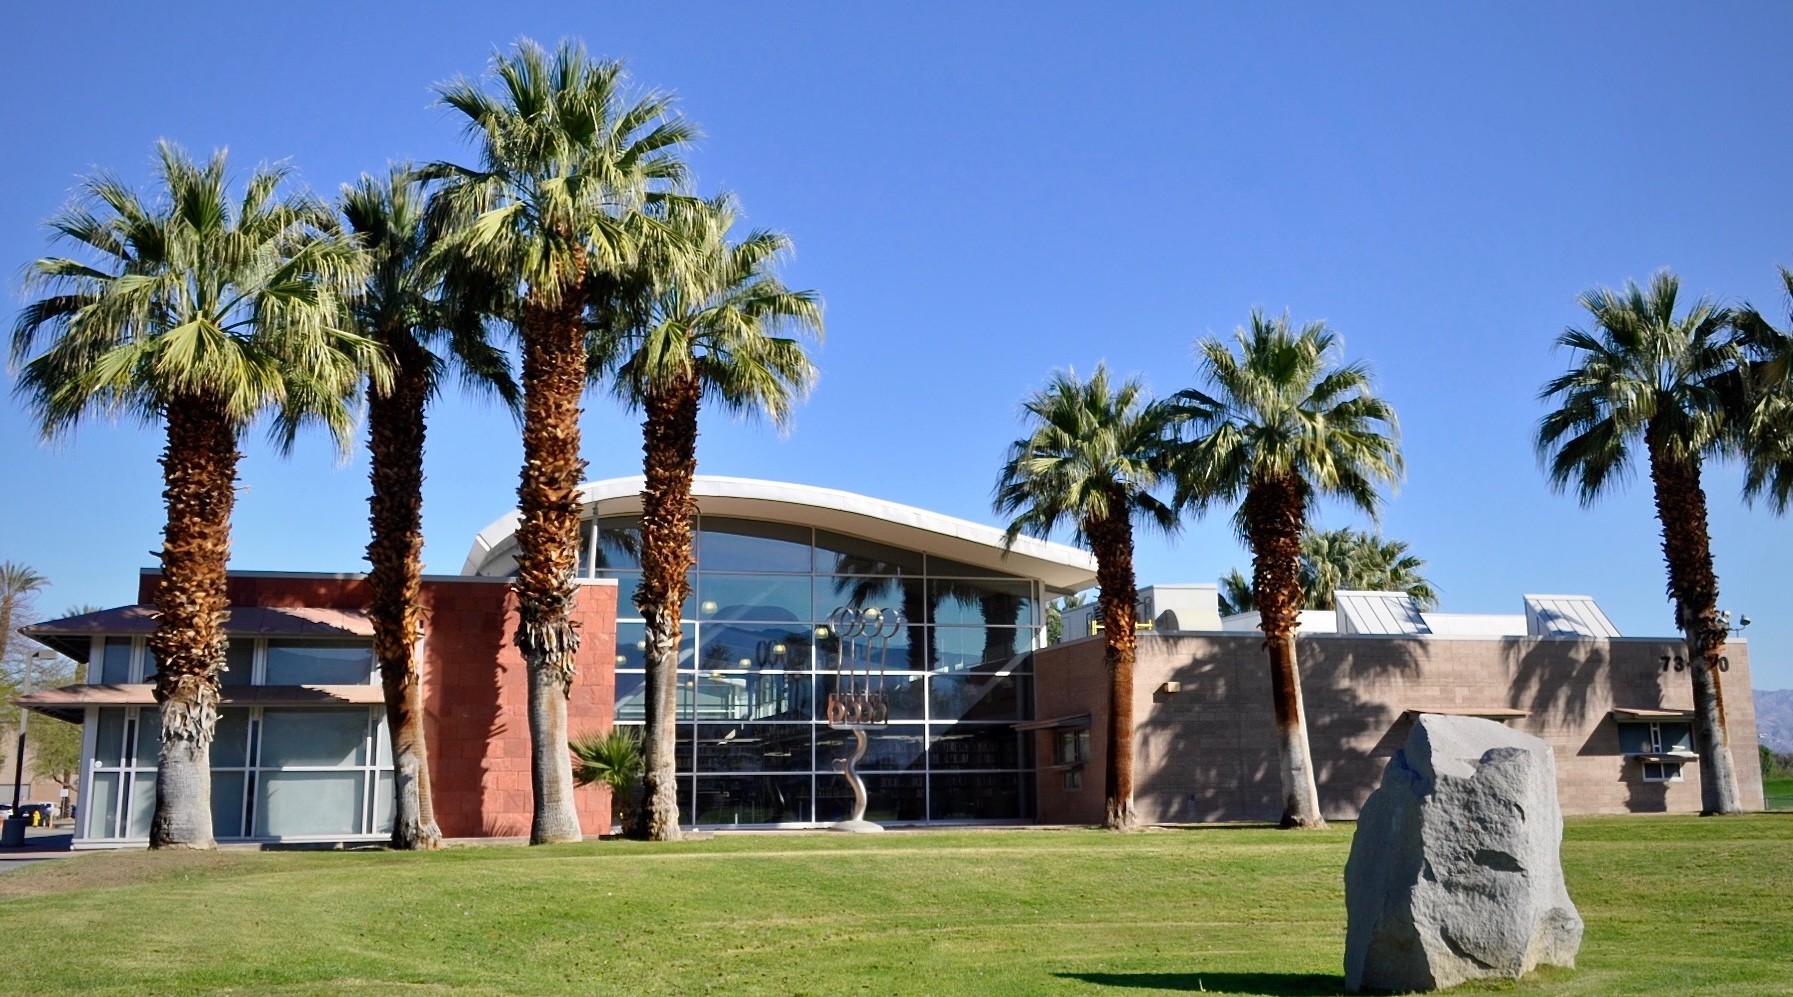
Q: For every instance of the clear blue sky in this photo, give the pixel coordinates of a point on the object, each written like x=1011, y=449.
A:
x=983, y=193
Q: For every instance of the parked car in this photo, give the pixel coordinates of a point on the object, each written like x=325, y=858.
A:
x=40, y=813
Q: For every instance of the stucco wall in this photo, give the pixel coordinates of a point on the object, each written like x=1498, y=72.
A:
x=1207, y=753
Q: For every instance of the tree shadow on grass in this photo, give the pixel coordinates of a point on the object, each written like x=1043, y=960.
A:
x=1266, y=984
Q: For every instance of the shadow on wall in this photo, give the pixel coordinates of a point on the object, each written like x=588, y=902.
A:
x=1549, y=690
x=1222, y=728
x=464, y=637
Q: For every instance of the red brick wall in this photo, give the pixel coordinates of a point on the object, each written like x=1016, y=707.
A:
x=476, y=696
x=475, y=690
x=1208, y=752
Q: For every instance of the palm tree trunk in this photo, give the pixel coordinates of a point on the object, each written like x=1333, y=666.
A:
x=1274, y=513
x=548, y=549
x=199, y=472
x=1693, y=584
x=669, y=446
x=396, y=429
x=1111, y=540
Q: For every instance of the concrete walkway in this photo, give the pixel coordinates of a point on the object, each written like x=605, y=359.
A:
x=42, y=844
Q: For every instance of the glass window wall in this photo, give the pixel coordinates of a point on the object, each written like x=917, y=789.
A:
x=758, y=659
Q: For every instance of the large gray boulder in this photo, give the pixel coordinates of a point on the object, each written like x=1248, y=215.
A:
x=1456, y=872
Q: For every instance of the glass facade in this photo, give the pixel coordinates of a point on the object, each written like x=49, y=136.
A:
x=277, y=771
x=757, y=657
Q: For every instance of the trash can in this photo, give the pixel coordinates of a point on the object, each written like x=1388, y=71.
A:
x=13, y=834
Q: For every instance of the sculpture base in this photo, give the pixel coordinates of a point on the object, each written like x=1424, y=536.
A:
x=856, y=827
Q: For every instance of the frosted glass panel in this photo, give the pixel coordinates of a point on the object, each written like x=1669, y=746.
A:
x=383, y=804
x=297, y=737
x=143, y=804
x=101, y=800
x=108, y=744
x=294, y=803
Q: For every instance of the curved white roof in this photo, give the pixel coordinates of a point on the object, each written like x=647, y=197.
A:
x=1058, y=566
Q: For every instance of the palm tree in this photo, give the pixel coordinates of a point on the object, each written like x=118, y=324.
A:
x=405, y=306
x=1766, y=426
x=1286, y=423
x=18, y=583
x=709, y=320
x=1092, y=457
x=202, y=312
x=568, y=157
x=1670, y=383
x=1354, y=559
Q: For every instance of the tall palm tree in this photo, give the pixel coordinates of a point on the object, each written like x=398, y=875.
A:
x=407, y=307
x=1286, y=423
x=709, y=321
x=569, y=155
x=1093, y=456
x=203, y=312
x=1647, y=376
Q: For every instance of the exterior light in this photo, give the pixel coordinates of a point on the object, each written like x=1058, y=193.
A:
x=641, y=645
x=622, y=659
x=709, y=607
x=778, y=648
x=822, y=633
x=746, y=662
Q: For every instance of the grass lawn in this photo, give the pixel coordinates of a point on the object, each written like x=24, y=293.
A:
x=1674, y=905
x=1779, y=792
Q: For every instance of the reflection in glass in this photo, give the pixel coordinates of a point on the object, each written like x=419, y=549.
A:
x=891, y=655
x=974, y=697
x=631, y=696
x=320, y=662
x=383, y=804
x=631, y=645
x=982, y=603
x=754, y=747
x=754, y=597
x=115, y=660
x=940, y=567
x=239, y=662
x=837, y=554
x=981, y=648
x=619, y=542
x=748, y=545
x=984, y=796
x=975, y=746
x=628, y=581
x=903, y=689
x=149, y=738
x=889, y=798
x=108, y=743
x=753, y=799
x=896, y=748
x=780, y=647
x=742, y=696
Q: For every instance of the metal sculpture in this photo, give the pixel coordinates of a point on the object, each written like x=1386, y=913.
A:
x=859, y=702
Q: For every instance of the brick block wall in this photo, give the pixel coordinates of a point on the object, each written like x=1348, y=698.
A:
x=475, y=688
x=1208, y=752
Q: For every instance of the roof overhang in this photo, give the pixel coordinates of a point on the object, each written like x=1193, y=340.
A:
x=1075, y=720
x=72, y=636
x=1060, y=567
x=70, y=701
x=1500, y=713
x=1653, y=713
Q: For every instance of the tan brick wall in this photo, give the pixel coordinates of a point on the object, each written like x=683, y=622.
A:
x=1208, y=753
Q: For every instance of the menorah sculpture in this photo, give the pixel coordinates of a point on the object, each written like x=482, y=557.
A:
x=859, y=702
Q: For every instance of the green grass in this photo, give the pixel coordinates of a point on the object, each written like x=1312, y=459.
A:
x=1778, y=790
x=1674, y=905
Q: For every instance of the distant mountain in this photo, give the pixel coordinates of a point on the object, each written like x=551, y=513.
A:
x=1774, y=718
